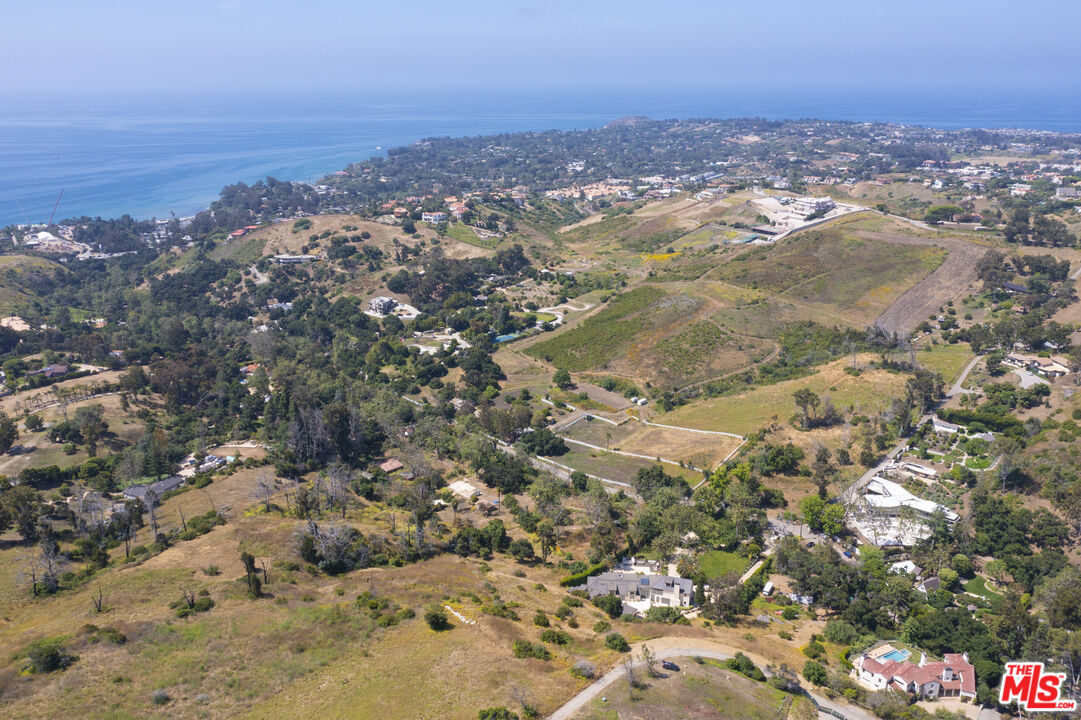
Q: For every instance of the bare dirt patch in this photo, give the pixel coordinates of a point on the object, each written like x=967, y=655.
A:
x=951, y=281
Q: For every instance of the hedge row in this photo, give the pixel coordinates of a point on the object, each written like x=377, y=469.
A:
x=579, y=578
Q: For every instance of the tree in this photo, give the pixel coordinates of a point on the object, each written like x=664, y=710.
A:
x=264, y=488
x=91, y=425
x=807, y=401
x=615, y=641
x=962, y=565
x=611, y=604
x=496, y=713
x=255, y=586
x=562, y=379
x=546, y=533
x=649, y=659
x=23, y=505
x=815, y=673
x=9, y=432
x=436, y=618
x=521, y=550
x=948, y=577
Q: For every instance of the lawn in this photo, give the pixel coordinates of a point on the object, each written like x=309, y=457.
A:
x=463, y=233
x=978, y=586
x=718, y=563
x=948, y=360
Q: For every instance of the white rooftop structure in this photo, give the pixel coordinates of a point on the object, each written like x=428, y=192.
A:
x=463, y=489
x=905, y=566
x=886, y=495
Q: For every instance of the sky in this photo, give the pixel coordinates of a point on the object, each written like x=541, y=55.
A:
x=480, y=46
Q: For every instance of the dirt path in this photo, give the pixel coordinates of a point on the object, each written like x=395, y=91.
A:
x=949, y=281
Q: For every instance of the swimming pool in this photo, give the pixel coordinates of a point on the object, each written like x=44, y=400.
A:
x=896, y=655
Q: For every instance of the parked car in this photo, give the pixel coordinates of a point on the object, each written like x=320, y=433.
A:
x=668, y=665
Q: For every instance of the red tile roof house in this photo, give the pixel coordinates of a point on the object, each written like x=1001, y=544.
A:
x=953, y=677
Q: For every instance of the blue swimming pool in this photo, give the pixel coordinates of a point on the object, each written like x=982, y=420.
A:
x=897, y=655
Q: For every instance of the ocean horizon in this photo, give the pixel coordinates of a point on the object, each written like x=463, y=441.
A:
x=152, y=156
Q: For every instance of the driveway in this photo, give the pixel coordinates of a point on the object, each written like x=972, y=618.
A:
x=673, y=647
x=1029, y=379
x=958, y=387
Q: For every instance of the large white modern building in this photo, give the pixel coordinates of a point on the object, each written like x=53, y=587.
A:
x=889, y=515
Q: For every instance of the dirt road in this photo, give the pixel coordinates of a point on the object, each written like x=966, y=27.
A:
x=950, y=281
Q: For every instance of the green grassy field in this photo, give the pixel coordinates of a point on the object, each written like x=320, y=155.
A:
x=668, y=339
x=241, y=251
x=461, y=233
x=600, y=338
x=717, y=563
x=616, y=467
x=832, y=269
x=744, y=413
x=948, y=360
x=978, y=586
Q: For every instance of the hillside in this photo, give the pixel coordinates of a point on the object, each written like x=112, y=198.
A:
x=24, y=278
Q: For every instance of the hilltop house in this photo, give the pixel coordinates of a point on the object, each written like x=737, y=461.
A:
x=655, y=589
x=51, y=371
x=1054, y=366
x=941, y=426
x=888, y=498
x=153, y=491
x=953, y=677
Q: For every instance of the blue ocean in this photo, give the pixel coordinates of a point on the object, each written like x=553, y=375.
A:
x=150, y=156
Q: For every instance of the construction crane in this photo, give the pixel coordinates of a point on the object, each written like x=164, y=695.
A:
x=55, y=206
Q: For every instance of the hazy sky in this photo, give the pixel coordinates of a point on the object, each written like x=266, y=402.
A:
x=75, y=46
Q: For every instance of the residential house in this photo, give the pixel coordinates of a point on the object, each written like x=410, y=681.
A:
x=382, y=305
x=464, y=489
x=434, y=217
x=391, y=465
x=941, y=426
x=1014, y=287
x=654, y=589
x=153, y=491
x=906, y=566
x=889, y=498
x=294, y=259
x=953, y=677
x=639, y=565
x=930, y=584
x=52, y=371
x=1054, y=366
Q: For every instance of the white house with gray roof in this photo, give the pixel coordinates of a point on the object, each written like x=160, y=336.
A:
x=655, y=589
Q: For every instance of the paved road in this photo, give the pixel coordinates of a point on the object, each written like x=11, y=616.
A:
x=957, y=386
x=673, y=647
x=849, y=495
